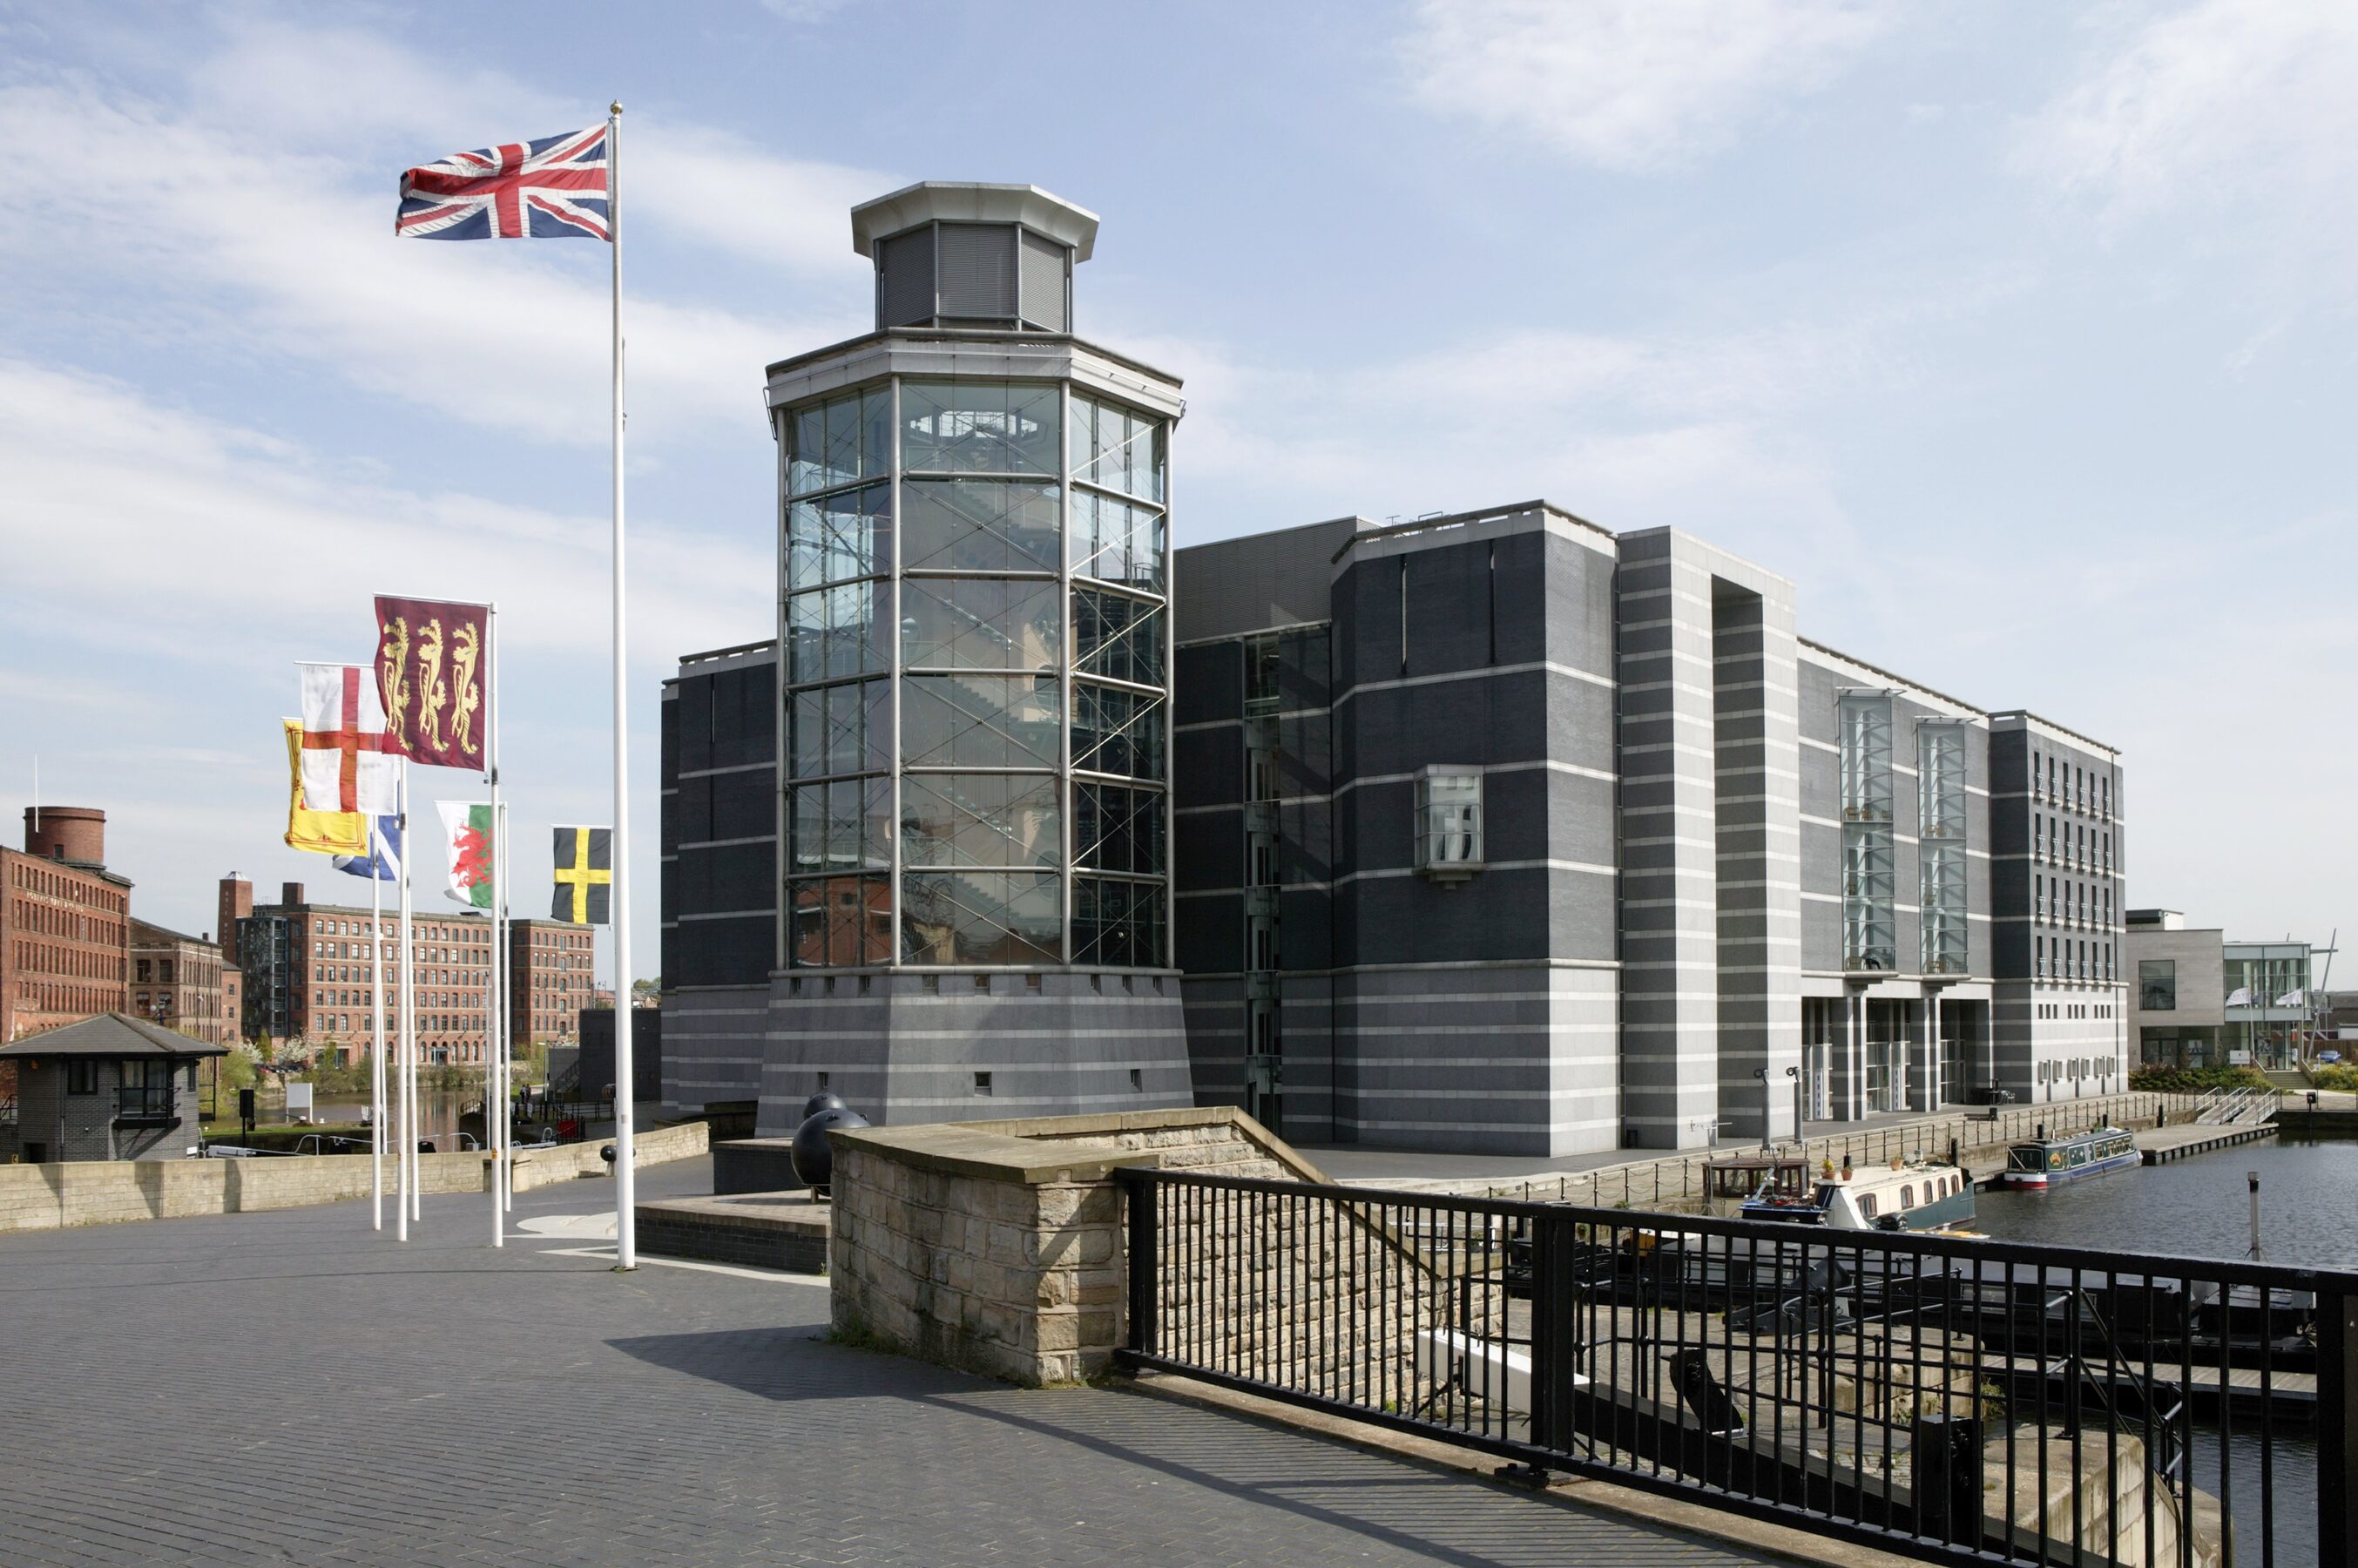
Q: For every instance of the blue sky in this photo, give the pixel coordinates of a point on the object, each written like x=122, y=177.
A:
x=2019, y=335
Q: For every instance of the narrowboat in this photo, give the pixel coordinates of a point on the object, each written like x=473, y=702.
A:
x=1904, y=1196
x=2049, y=1161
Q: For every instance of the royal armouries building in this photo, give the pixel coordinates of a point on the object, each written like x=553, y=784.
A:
x=1491, y=831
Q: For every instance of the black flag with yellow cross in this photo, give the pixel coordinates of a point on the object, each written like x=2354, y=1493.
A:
x=585, y=876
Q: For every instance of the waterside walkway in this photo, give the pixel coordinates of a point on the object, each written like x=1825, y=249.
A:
x=287, y=1387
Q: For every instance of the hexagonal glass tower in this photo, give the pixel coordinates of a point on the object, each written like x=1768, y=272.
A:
x=974, y=670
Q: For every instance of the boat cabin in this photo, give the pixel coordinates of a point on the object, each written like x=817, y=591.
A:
x=1901, y=1197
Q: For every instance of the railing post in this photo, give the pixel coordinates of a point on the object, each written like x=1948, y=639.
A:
x=2337, y=1430
x=1144, y=1261
x=1555, y=1335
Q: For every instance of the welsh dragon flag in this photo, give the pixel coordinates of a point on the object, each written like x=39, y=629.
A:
x=469, y=823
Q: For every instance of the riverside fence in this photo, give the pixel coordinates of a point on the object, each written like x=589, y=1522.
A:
x=1956, y=1400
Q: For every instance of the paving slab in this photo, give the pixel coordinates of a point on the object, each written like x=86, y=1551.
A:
x=288, y=1387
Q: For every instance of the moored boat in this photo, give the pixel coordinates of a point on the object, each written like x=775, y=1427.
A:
x=1904, y=1196
x=2049, y=1161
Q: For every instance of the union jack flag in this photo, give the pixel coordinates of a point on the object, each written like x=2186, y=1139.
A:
x=546, y=189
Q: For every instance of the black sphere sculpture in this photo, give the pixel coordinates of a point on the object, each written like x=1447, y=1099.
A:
x=826, y=1099
x=814, y=1158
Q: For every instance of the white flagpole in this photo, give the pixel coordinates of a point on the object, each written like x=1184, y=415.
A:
x=376, y=1045
x=405, y=1178
x=507, y=1027
x=626, y=1239
x=492, y=1048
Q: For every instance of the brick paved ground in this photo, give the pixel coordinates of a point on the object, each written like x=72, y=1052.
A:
x=288, y=1388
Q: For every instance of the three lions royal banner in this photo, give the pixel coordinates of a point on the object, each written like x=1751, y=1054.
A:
x=433, y=667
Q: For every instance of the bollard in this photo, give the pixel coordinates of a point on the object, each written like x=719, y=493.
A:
x=1945, y=1452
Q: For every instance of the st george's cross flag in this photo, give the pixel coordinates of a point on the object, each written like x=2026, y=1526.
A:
x=469, y=823
x=585, y=876
x=347, y=766
x=551, y=189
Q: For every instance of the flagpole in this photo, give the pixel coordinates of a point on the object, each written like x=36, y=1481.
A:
x=404, y=1195
x=491, y=1049
x=376, y=1015
x=627, y=1240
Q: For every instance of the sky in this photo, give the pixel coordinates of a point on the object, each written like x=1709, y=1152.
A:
x=2019, y=335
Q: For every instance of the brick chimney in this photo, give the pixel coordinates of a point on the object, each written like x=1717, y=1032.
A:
x=290, y=892
x=236, y=903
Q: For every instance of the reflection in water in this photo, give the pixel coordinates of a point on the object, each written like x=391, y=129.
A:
x=2201, y=1207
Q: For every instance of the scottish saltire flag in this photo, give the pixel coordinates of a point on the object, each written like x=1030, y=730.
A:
x=549, y=189
x=383, y=860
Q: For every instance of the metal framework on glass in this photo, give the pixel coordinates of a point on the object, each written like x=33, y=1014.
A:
x=1940, y=844
x=1870, y=871
x=976, y=682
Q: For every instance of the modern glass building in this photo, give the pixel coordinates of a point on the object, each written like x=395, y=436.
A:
x=974, y=690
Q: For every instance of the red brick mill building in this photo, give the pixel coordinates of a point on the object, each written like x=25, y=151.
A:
x=65, y=924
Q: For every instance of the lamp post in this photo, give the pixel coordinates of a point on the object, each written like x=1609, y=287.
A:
x=1768, y=1112
x=1800, y=1136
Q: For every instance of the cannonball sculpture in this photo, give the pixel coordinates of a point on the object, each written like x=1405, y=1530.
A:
x=826, y=1099
x=814, y=1158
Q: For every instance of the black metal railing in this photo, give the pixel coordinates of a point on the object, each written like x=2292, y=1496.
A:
x=1958, y=1399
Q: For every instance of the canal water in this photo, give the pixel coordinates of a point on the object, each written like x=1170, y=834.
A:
x=2201, y=1208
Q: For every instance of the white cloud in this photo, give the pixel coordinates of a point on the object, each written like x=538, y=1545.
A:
x=2230, y=103
x=204, y=525
x=1629, y=84
x=287, y=253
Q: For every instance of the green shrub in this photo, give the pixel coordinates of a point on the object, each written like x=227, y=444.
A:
x=2336, y=1075
x=2196, y=1080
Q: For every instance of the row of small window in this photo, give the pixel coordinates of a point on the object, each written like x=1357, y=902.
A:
x=973, y=427
x=974, y=919
x=1008, y=820
x=975, y=721
x=2058, y=899
x=363, y=1023
x=2074, y=843
x=983, y=623
x=2074, y=1067
x=2080, y=788
x=974, y=525
x=1936, y=1189
x=81, y=1074
x=2059, y=1010
x=2071, y=958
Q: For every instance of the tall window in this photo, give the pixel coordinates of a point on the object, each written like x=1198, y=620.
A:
x=1941, y=855
x=1870, y=875
x=1449, y=822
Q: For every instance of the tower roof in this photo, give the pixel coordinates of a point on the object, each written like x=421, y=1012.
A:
x=973, y=202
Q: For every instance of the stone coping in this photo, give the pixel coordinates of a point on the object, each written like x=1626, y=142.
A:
x=1114, y=1124
x=1025, y=1150
x=968, y=1150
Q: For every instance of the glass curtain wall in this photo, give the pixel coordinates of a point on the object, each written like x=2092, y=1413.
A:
x=1940, y=844
x=1024, y=628
x=1870, y=873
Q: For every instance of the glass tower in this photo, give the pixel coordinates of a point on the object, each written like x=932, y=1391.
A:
x=974, y=613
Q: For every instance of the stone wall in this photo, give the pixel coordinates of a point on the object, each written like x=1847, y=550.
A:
x=1001, y=1248
x=105, y=1192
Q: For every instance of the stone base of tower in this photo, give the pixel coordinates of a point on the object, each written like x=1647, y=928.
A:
x=958, y=1047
